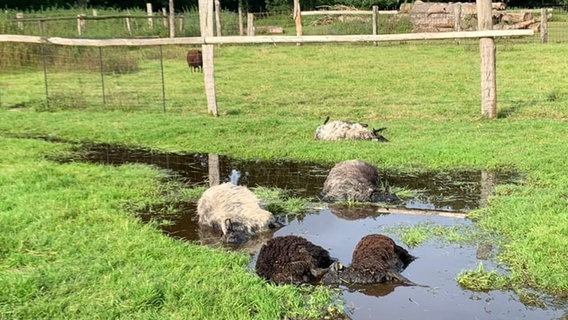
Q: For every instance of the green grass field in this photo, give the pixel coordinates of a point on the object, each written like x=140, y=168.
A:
x=70, y=246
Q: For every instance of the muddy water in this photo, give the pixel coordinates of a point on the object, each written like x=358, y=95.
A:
x=457, y=190
x=438, y=262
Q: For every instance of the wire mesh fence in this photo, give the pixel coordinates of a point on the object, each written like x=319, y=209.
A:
x=126, y=78
x=148, y=78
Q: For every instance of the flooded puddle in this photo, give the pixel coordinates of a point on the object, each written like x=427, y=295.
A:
x=438, y=262
x=458, y=190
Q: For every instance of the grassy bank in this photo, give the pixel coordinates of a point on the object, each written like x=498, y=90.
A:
x=70, y=249
x=58, y=222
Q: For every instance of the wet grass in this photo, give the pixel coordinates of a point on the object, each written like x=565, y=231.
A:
x=70, y=249
x=433, y=121
x=415, y=235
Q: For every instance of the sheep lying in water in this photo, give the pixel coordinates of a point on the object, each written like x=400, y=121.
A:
x=354, y=180
x=376, y=259
x=347, y=130
x=235, y=210
x=292, y=259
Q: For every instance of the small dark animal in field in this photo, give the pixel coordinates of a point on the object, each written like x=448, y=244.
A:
x=195, y=60
x=236, y=211
x=292, y=259
x=348, y=130
x=376, y=259
x=355, y=180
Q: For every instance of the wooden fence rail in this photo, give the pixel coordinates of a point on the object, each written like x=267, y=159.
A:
x=264, y=39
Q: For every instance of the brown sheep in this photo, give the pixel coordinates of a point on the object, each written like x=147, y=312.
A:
x=376, y=258
x=292, y=259
x=348, y=130
x=234, y=210
x=354, y=180
x=195, y=60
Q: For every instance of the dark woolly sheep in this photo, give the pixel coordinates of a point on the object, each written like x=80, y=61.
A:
x=376, y=258
x=195, y=60
x=348, y=130
x=234, y=210
x=354, y=180
x=292, y=259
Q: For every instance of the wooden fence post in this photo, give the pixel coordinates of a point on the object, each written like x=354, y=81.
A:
x=543, y=25
x=127, y=21
x=250, y=24
x=297, y=15
x=375, y=20
x=180, y=23
x=171, y=19
x=240, y=11
x=20, y=15
x=42, y=27
x=80, y=23
x=165, y=17
x=149, y=14
x=487, y=51
x=457, y=20
x=206, y=26
x=218, y=17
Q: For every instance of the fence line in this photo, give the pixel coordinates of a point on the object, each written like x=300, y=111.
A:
x=265, y=39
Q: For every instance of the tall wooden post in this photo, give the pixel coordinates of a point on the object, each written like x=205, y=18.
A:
x=250, y=24
x=457, y=20
x=81, y=23
x=20, y=15
x=171, y=19
x=297, y=15
x=218, y=17
x=543, y=25
x=487, y=50
x=206, y=26
x=240, y=10
x=149, y=13
x=375, y=22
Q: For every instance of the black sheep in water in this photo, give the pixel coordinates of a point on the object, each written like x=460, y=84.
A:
x=195, y=60
x=355, y=180
x=376, y=259
x=292, y=259
x=348, y=130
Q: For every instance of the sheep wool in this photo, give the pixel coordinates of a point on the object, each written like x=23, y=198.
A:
x=235, y=210
x=195, y=60
x=376, y=258
x=347, y=130
x=354, y=180
x=292, y=259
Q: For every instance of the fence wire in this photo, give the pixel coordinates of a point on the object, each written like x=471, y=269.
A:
x=148, y=78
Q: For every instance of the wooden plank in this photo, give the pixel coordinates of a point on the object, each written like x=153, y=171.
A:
x=118, y=16
x=451, y=214
x=346, y=12
x=265, y=39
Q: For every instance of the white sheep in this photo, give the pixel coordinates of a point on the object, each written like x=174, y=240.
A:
x=234, y=210
x=347, y=130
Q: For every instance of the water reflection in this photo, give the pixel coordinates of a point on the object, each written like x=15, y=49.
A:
x=456, y=190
